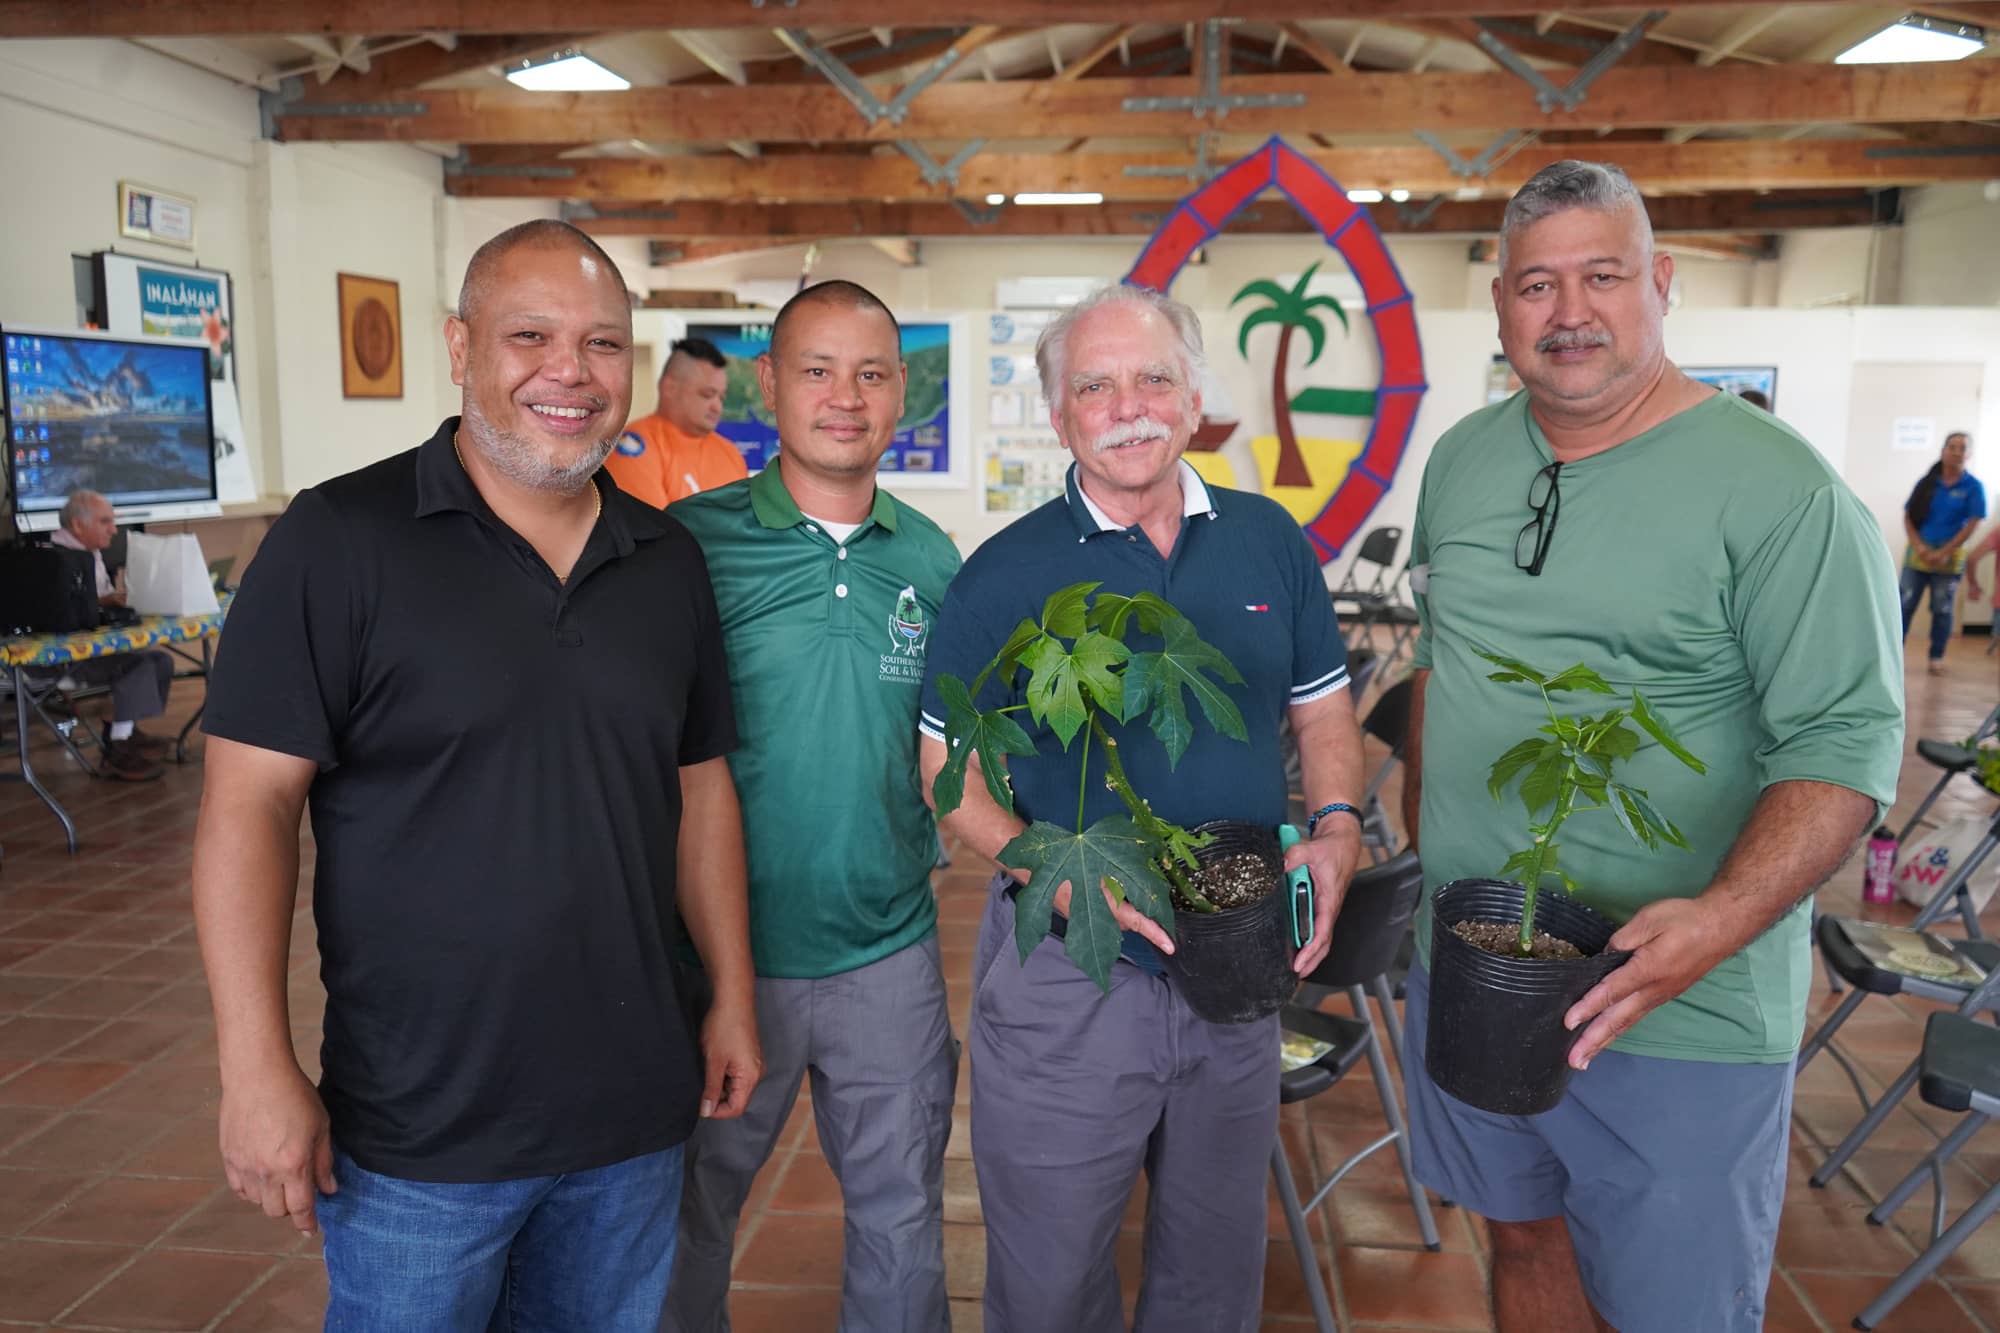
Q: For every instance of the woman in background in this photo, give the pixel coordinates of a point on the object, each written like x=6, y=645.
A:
x=1939, y=517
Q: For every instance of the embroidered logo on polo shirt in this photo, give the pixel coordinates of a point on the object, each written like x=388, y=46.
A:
x=908, y=633
x=630, y=444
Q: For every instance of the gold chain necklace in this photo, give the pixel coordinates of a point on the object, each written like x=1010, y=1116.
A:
x=595, y=493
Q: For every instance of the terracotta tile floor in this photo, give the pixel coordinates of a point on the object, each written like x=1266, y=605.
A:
x=114, y=1216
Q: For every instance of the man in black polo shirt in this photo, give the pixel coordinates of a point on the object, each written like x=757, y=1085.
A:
x=502, y=689
x=1073, y=1091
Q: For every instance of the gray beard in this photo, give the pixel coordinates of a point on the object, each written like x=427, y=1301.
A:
x=518, y=459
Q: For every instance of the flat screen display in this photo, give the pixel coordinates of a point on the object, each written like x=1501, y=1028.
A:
x=127, y=417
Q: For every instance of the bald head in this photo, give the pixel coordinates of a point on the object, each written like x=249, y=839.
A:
x=838, y=294
x=89, y=518
x=540, y=234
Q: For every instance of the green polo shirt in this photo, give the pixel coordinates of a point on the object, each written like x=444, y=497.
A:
x=1721, y=567
x=826, y=645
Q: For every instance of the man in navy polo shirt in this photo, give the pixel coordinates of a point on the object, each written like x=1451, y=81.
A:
x=1074, y=1091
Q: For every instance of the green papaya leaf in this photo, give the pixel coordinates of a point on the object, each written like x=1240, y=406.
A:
x=1629, y=819
x=1508, y=664
x=1063, y=614
x=1667, y=830
x=1592, y=765
x=1112, y=849
x=1112, y=611
x=1010, y=654
x=1579, y=677
x=1544, y=781
x=1528, y=752
x=1617, y=743
x=1054, y=693
x=1518, y=864
x=967, y=732
x=1657, y=729
x=1155, y=681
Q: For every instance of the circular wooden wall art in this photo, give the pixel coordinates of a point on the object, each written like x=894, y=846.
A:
x=373, y=339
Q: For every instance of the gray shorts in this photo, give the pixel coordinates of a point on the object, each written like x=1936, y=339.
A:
x=1671, y=1174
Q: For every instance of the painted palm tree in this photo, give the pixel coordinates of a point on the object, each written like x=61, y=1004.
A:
x=1292, y=310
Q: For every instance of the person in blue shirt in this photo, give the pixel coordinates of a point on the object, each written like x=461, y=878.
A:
x=1939, y=518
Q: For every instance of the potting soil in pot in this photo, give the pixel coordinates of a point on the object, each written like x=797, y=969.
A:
x=1503, y=939
x=1235, y=880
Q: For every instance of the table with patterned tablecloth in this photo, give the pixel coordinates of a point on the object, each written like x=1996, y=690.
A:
x=34, y=663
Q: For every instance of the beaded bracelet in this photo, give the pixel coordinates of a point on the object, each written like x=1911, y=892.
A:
x=1337, y=807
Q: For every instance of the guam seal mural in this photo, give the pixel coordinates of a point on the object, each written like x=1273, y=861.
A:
x=1331, y=484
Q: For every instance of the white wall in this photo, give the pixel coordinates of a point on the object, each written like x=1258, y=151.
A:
x=76, y=118
x=1951, y=245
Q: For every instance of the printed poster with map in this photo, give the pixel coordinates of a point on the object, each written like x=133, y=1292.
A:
x=924, y=451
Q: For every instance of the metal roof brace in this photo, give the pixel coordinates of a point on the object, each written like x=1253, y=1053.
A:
x=1548, y=95
x=460, y=164
x=936, y=173
x=1418, y=216
x=289, y=100
x=1214, y=62
x=976, y=215
x=872, y=108
x=1200, y=173
x=1476, y=166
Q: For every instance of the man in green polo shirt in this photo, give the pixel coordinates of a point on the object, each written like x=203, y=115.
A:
x=1618, y=513
x=827, y=587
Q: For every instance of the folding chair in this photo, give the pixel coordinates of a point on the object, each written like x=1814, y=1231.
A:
x=1954, y=758
x=1844, y=960
x=1374, y=919
x=1389, y=722
x=1959, y=1070
x=1360, y=607
x=1966, y=999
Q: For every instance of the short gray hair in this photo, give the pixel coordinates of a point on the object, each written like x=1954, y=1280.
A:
x=1561, y=186
x=542, y=233
x=1052, y=348
x=79, y=505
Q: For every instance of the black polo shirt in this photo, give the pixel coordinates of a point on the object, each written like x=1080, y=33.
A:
x=497, y=812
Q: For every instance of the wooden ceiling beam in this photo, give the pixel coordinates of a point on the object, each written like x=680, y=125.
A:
x=1088, y=61
x=685, y=222
x=1703, y=165
x=1648, y=97
x=233, y=18
x=414, y=66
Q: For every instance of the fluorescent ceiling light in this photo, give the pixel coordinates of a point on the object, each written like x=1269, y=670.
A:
x=1364, y=196
x=1913, y=38
x=996, y=198
x=568, y=71
x=1090, y=198
x=1400, y=196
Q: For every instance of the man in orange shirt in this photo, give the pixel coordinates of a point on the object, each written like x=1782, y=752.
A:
x=675, y=452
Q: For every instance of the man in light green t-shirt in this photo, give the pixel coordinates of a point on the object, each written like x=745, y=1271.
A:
x=1620, y=514
x=827, y=588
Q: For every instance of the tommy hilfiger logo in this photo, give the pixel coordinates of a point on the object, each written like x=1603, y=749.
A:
x=1257, y=606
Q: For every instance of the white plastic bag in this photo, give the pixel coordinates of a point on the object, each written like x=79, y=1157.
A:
x=166, y=576
x=1929, y=863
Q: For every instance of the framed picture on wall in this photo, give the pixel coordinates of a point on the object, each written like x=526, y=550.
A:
x=147, y=214
x=371, y=337
x=1757, y=383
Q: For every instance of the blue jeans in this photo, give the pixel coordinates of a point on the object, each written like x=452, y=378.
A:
x=584, y=1250
x=1944, y=589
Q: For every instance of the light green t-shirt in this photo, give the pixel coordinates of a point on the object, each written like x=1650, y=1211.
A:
x=1717, y=564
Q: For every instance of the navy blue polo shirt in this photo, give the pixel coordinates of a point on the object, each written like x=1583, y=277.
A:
x=1241, y=570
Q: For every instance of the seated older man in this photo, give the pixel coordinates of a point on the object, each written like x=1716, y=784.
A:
x=138, y=681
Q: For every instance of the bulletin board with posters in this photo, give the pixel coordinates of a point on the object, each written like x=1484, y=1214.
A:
x=931, y=446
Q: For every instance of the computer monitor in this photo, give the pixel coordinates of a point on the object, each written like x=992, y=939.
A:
x=128, y=417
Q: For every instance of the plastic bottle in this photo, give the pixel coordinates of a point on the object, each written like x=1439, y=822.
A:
x=1879, y=884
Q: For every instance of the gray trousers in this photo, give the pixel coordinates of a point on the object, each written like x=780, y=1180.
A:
x=877, y=1045
x=1073, y=1094
x=139, y=681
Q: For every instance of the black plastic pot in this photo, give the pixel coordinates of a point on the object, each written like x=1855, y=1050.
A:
x=1496, y=1039
x=1235, y=966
